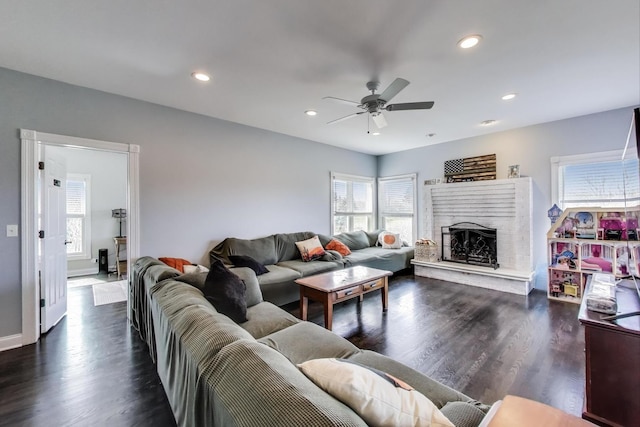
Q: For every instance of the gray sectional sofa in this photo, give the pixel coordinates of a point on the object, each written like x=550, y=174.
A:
x=219, y=373
x=279, y=254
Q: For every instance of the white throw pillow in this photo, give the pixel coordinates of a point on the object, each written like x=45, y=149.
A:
x=389, y=240
x=195, y=269
x=376, y=399
x=310, y=249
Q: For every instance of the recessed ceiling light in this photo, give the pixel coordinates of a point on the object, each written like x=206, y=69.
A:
x=431, y=135
x=509, y=96
x=488, y=122
x=201, y=76
x=375, y=133
x=470, y=41
x=311, y=112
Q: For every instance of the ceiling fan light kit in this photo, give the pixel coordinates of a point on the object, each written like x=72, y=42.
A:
x=375, y=103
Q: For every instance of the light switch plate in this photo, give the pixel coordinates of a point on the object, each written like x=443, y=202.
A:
x=12, y=230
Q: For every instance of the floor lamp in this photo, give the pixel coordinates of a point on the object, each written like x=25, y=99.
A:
x=120, y=215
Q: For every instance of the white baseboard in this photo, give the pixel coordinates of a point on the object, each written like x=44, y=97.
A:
x=82, y=272
x=10, y=341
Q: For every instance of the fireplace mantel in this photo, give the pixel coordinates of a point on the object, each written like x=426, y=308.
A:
x=503, y=204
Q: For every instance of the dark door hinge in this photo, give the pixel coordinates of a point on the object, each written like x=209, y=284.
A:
x=41, y=166
x=42, y=303
x=41, y=234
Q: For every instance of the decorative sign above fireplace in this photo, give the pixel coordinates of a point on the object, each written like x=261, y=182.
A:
x=470, y=243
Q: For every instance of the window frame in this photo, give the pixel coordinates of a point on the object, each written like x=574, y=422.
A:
x=413, y=215
x=85, y=254
x=557, y=162
x=353, y=178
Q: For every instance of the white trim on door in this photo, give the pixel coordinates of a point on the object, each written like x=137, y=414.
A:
x=29, y=215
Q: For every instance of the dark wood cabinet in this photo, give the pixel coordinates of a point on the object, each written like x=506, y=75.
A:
x=612, y=351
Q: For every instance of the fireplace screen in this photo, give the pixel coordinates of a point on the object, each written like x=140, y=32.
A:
x=470, y=243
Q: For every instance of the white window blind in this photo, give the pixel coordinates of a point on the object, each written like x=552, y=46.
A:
x=397, y=205
x=599, y=184
x=78, y=218
x=351, y=203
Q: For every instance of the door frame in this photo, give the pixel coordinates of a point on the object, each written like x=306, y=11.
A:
x=30, y=140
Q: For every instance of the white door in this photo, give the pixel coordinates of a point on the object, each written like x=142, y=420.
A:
x=53, y=250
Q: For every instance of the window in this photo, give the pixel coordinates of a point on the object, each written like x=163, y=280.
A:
x=595, y=180
x=78, y=216
x=351, y=203
x=397, y=205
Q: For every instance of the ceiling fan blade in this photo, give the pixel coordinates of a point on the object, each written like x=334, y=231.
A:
x=410, y=106
x=345, y=117
x=379, y=120
x=394, y=88
x=344, y=101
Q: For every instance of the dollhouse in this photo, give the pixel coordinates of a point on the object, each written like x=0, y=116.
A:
x=587, y=240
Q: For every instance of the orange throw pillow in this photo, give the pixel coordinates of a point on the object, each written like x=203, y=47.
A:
x=177, y=263
x=338, y=246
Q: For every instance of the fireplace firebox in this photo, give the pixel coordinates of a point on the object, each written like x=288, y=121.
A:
x=470, y=243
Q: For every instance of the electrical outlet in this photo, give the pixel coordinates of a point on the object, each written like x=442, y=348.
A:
x=94, y=260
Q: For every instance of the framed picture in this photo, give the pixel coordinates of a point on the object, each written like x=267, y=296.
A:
x=514, y=171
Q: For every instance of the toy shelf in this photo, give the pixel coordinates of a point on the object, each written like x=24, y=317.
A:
x=587, y=240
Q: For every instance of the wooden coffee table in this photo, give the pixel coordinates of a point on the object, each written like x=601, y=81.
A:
x=340, y=285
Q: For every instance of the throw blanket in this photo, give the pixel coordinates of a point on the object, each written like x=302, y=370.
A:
x=140, y=311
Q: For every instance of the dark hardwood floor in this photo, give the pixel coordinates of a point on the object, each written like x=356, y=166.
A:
x=484, y=343
x=92, y=369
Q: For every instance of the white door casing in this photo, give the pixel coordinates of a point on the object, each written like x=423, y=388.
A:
x=30, y=155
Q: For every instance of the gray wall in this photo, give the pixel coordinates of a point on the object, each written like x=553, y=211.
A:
x=201, y=179
x=530, y=147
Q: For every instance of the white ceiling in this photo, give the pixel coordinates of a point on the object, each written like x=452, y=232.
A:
x=273, y=59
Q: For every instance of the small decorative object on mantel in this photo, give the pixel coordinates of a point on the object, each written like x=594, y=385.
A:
x=426, y=250
x=554, y=213
x=480, y=168
x=514, y=171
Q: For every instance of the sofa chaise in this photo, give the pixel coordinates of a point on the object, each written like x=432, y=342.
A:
x=216, y=372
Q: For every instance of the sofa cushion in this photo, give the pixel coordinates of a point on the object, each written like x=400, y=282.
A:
x=226, y=292
x=354, y=239
x=435, y=391
x=311, y=268
x=247, y=261
x=258, y=386
x=373, y=236
x=310, y=249
x=266, y=318
x=278, y=274
x=463, y=414
x=253, y=294
x=338, y=246
x=379, y=399
x=262, y=250
x=305, y=341
x=286, y=248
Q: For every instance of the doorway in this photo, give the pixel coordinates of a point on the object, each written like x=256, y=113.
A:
x=32, y=142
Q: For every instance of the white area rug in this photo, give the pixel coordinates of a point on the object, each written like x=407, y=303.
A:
x=108, y=293
x=75, y=282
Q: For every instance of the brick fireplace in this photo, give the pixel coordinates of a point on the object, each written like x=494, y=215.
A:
x=503, y=206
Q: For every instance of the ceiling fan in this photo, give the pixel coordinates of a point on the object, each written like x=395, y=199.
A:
x=375, y=104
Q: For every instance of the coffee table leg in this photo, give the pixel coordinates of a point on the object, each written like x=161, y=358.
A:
x=328, y=314
x=385, y=294
x=304, y=304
